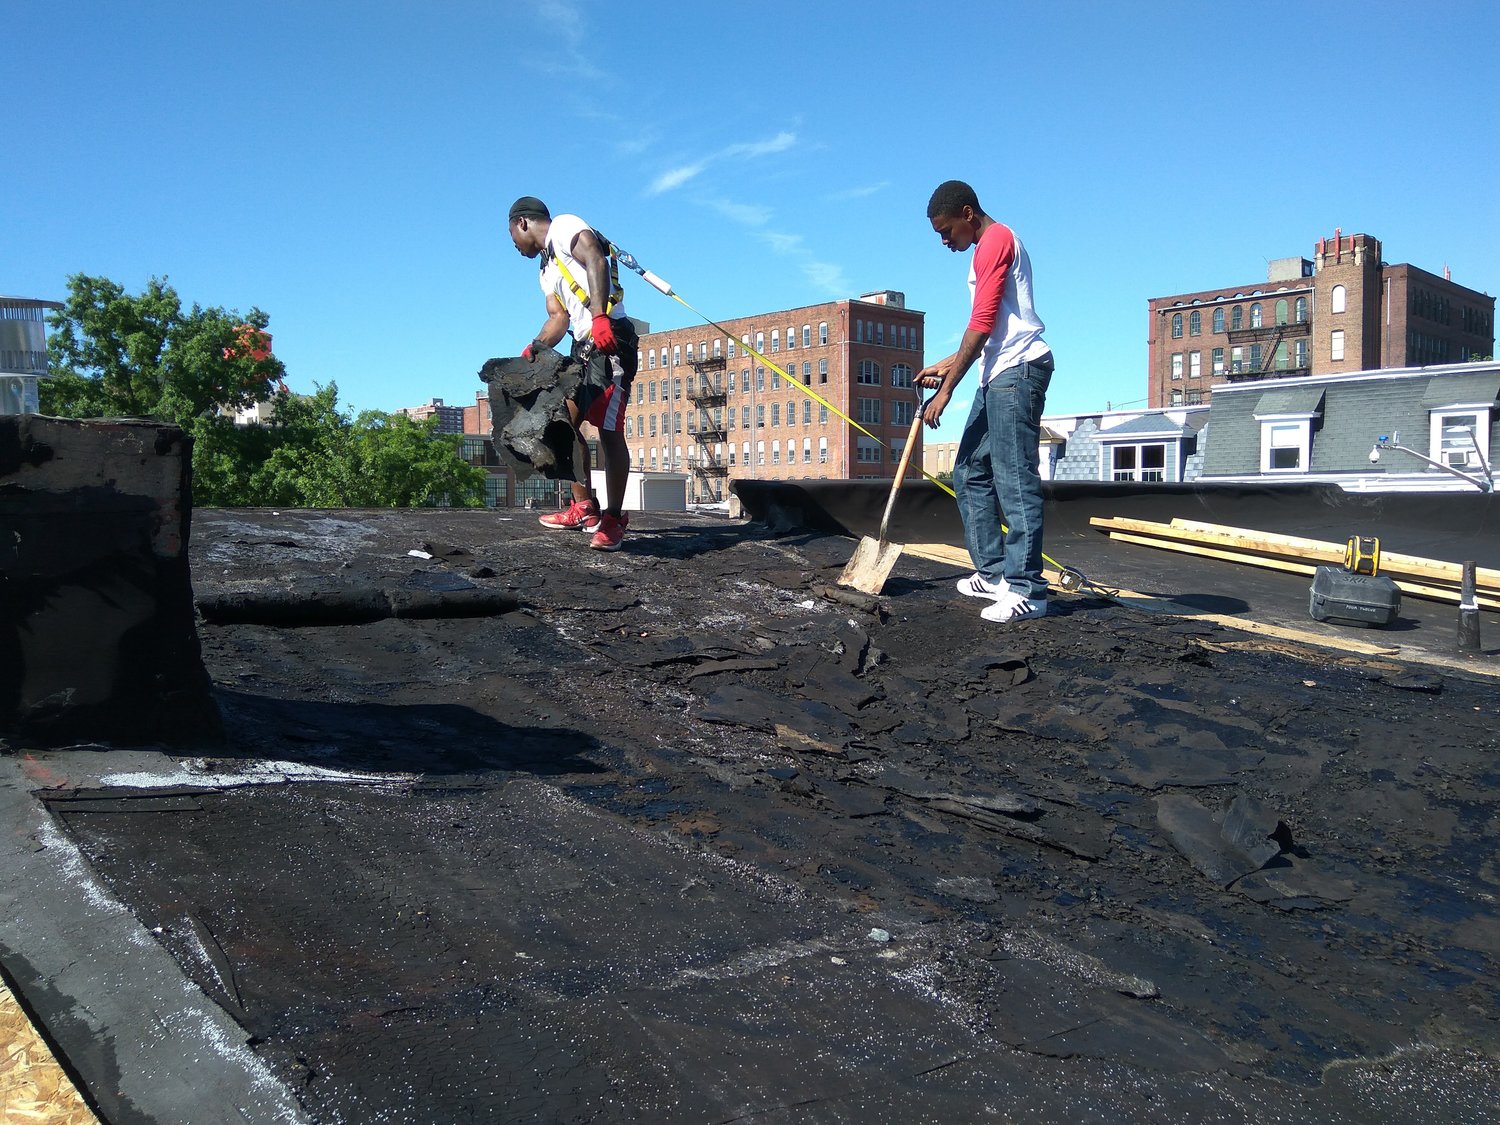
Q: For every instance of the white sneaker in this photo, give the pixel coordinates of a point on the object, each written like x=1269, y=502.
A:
x=976, y=586
x=1014, y=608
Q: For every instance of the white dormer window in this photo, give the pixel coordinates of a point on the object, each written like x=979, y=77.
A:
x=1450, y=439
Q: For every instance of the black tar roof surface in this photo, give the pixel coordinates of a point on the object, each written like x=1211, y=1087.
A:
x=628, y=853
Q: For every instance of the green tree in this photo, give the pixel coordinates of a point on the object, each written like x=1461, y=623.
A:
x=323, y=458
x=113, y=354
x=145, y=356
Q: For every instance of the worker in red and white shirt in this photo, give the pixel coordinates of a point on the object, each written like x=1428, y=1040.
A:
x=581, y=283
x=995, y=471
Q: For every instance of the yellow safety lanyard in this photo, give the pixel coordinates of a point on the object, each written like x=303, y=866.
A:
x=662, y=286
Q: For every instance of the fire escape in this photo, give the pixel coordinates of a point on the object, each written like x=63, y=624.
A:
x=1267, y=338
x=706, y=393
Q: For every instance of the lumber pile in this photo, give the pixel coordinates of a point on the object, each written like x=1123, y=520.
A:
x=1419, y=577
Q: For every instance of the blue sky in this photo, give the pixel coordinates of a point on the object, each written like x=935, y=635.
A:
x=346, y=167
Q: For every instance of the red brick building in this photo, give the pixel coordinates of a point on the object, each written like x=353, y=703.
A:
x=704, y=405
x=1342, y=310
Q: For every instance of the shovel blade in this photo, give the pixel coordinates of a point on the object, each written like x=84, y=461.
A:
x=870, y=566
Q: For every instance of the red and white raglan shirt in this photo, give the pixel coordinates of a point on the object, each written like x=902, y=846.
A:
x=1000, y=286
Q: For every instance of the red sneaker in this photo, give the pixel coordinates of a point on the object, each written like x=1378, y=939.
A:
x=611, y=532
x=580, y=515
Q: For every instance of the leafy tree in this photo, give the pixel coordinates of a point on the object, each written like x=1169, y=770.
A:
x=322, y=458
x=112, y=354
x=146, y=356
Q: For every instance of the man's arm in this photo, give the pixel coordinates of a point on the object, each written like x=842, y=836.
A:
x=553, y=330
x=595, y=259
x=946, y=374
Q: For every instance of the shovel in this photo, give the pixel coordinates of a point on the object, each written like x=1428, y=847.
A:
x=874, y=558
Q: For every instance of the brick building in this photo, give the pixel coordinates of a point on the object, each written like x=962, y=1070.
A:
x=1343, y=310
x=704, y=405
x=450, y=418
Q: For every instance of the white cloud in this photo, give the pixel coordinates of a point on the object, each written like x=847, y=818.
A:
x=783, y=243
x=779, y=143
x=674, y=178
x=860, y=192
x=750, y=214
x=828, y=277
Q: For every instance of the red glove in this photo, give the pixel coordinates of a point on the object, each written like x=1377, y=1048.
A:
x=604, y=335
x=532, y=350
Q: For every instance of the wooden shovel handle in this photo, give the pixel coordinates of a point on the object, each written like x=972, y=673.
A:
x=911, y=441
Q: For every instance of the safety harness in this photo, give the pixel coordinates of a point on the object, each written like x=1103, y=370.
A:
x=616, y=290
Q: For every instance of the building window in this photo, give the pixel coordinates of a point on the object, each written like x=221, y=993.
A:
x=1218, y=320
x=822, y=451
x=806, y=373
x=776, y=414
x=690, y=353
x=823, y=332
x=730, y=354
x=807, y=412
x=896, y=446
x=1301, y=352
x=1450, y=442
x=745, y=453
x=1195, y=323
x=653, y=425
x=1236, y=360
x=718, y=349
x=791, y=338
x=822, y=371
x=880, y=334
x=902, y=413
x=869, y=373
x=744, y=417
x=1284, y=445
x=1301, y=310
x=1255, y=351
x=760, y=342
x=807, y=451
x=1283, y=356
x=869, y=411
x=760, y=378
x=1281, y=311
x=1177, y=365
x=1337, y=299
x=1336, y=344
x=1139, y=462
x=1176, y=326
x=1176, y=398
x=760, y=416
x=1217, y=359
x=1255, y=315
x=1236, y=318
x=775, y=379
x=1195, y=364
x=901, y=375
x=776, y=453
x=651, y=361
x=775, y=340
x=867, y=451
x=664, y=357
x=807, y=335
x=822, y=415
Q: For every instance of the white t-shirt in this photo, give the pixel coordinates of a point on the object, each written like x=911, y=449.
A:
x=560, y=235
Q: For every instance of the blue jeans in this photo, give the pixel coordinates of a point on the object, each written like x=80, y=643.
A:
x=995, y=476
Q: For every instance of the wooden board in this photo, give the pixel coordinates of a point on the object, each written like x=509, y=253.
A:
x=1415, y=589
x=1283, y=546
x=33, y=1087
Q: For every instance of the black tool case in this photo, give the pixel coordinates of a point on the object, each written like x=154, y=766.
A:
x=1353, y=599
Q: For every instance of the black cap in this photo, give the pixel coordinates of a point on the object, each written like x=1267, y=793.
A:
x=529, y=205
